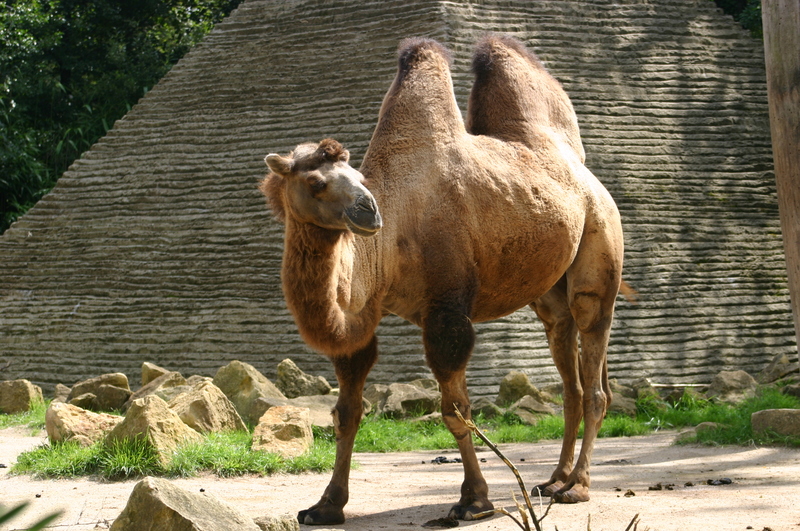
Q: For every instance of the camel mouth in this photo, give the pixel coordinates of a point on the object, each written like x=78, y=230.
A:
x=363, y=218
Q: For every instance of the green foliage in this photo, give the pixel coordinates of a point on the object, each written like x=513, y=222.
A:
x=70, y=68
x=128, y=458
x=745, y=12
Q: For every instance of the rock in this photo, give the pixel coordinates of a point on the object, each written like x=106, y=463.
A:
x=168, y=394
x=16, y=396
x=293, y=382
x=784, y=422
x=732, y=387
x=117, y=379
x=151, y=419
x=425, y=383
x=554, y=389
x=620, y=389
x=284, y=430
x=623, y=405
x=319, y=406
x=60, y=393
x=110, y=398
x=530, y=409
x=792, y=390
x=286, y=522
x=516, y=385
x=779, y=367
x=165, y=381
x=205, y=408
x=84, y=401
x=487, y=408
x=376, y=393
x=644, y=388
x=65, y=422
x=196, y=379
x=405, y=400
x=157, y=504
x=243, y=384
x=151, y=371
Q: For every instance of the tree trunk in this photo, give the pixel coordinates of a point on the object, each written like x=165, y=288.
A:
x=781, y=19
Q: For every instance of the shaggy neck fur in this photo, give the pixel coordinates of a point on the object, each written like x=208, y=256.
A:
x=317, y=278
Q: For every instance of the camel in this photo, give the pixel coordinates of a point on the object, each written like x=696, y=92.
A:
x=447, y=224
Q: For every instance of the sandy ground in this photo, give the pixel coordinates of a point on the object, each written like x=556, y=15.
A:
x=404, y=490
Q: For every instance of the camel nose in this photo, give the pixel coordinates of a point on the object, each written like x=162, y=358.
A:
x=364, y=215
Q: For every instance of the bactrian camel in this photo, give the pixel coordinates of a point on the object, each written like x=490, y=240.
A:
x=463, y=224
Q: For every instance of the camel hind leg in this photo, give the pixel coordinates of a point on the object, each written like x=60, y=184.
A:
x=593, y=281
x=562, y=336
x=351, y=372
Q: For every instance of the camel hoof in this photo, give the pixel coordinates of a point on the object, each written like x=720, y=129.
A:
x=472, y=511
x=576, y=494
x=322, y=515
x=547, y=490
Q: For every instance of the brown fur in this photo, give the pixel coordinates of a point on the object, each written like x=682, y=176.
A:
x=476, y=226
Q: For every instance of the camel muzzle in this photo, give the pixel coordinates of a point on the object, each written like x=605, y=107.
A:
x=363, y=218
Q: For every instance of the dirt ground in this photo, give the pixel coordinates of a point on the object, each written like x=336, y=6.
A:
x=404, y=490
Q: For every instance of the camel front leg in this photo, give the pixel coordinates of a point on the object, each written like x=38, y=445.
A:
x=351, y=372
x=449, y=338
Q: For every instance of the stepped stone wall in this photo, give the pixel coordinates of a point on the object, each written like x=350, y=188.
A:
x=156, y=245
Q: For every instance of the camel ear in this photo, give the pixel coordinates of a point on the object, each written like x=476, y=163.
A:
x=278, y=164
x=345, y=156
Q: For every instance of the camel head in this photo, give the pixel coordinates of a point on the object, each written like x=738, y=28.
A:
x=315, y=184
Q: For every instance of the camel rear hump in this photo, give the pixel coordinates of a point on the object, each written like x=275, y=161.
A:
x=514, y=95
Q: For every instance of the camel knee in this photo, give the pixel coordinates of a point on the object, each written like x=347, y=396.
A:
x=595, y=404
x=587, y=310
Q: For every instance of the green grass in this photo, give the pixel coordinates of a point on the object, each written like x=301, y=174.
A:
x=32, y=419
x=225, y=454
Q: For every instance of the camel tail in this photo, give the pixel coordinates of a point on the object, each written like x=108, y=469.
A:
x=630, y=294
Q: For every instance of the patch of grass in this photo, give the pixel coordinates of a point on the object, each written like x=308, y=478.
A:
x=58, y=460
x=32, y=419
x=380, y=435
x=734, y=421
x=129, y=458
x=224, y=454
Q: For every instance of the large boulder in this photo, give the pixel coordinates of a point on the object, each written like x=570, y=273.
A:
x=158, y=385
x=785, y=422
x=205, y=408
x=530, y=409
x=243, y=384
x=487, y=408
x=60, y=393
x=150, y=419
x=293, y=382
x=403, y=400
x=516, y=385
x=116, y=379
x=778, y=367
x=732, y=387
x=319, y=407
x=155, y=504
x=65, y=422
x=622, y=405
x=151, y=371
x=284, y=430
x=16, y=396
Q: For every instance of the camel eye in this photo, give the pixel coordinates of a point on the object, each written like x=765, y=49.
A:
x=317, y=185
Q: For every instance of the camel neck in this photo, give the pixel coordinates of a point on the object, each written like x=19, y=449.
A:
x=318, y=284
